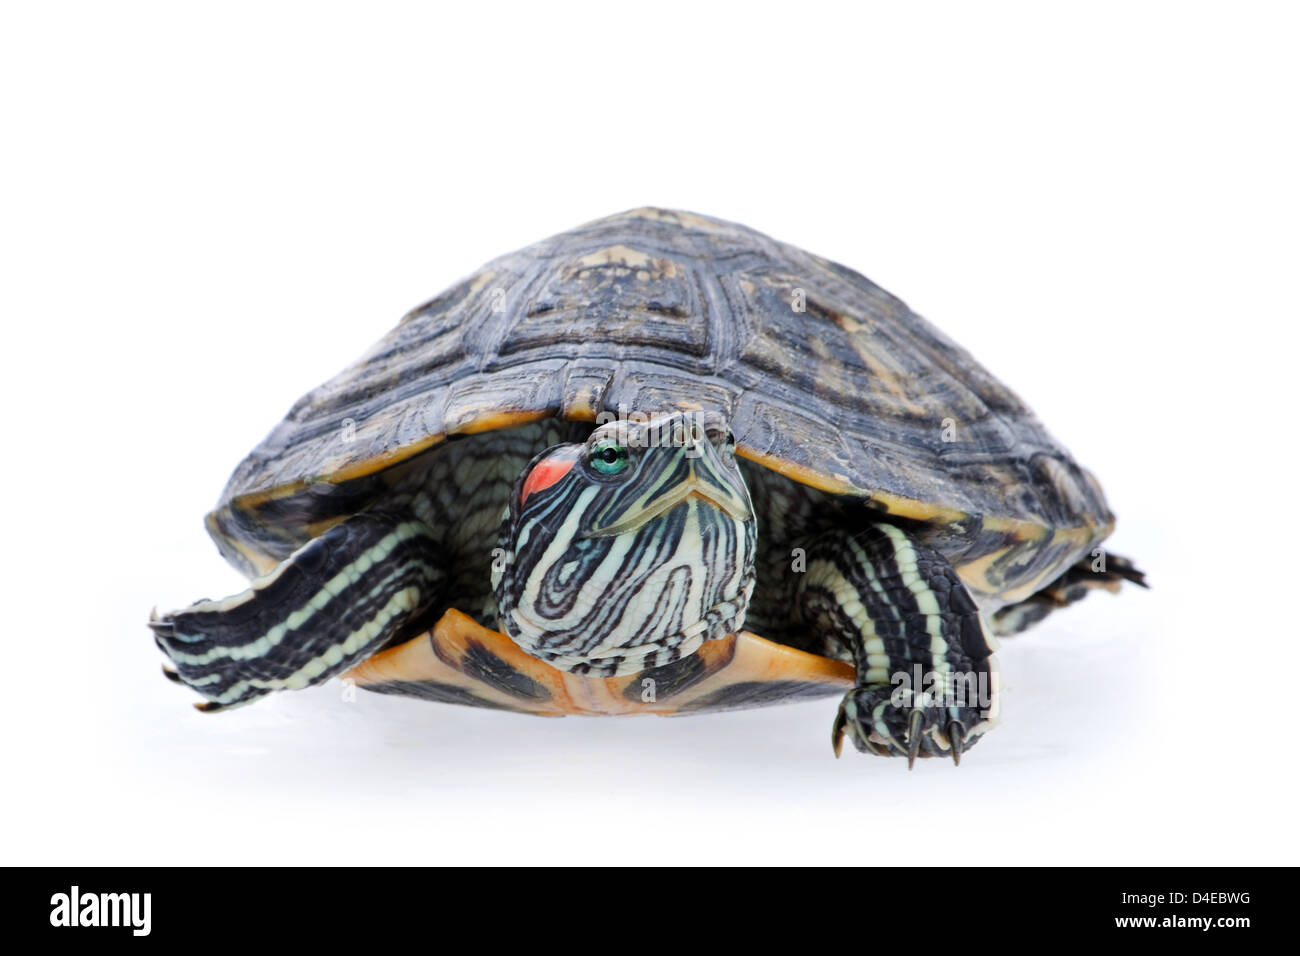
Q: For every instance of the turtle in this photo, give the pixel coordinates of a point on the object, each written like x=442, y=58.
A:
x=660, y=463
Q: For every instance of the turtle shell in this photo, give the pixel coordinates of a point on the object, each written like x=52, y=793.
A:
x=825, y=377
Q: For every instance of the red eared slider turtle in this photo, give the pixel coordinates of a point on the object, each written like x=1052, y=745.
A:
x=657, y=464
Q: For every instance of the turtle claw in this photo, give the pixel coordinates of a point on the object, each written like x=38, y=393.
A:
x=876, y=725
x=914, y=736
x=956, y=733
x=837, y=733
x=171, y=675
x=161, y=626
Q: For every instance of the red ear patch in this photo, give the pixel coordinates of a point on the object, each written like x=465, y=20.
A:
x=547, y=472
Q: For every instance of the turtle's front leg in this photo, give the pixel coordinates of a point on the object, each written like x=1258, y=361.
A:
x=335, y=601
x=925, y=674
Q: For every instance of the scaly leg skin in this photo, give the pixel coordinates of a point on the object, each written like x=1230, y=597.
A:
x=335, y=601
x=925, y=672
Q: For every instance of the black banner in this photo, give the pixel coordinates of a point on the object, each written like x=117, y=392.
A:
x=941, y=905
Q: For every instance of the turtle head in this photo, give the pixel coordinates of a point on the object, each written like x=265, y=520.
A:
x=629, y=550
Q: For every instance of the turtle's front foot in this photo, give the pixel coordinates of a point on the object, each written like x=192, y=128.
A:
x=926, y=681
x=338, y=599
x=889, y=721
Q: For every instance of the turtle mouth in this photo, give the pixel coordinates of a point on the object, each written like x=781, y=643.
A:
x=693, y=489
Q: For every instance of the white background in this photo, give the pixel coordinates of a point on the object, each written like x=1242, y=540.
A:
x=206, y=213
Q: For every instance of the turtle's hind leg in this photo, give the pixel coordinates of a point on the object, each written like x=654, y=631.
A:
x=335, y=601
x=926, y=682
x=1090, y=573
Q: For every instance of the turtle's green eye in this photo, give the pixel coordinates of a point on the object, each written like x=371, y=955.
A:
x=608, y=457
